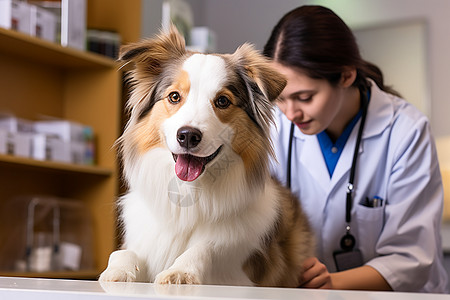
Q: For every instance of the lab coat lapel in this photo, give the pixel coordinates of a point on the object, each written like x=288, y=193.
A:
x=345, y=161
x=311, y=159
x=379, y=114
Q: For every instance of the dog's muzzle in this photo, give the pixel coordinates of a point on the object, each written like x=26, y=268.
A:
x=189, y=167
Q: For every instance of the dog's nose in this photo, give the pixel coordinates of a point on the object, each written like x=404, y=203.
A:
x=189, y=137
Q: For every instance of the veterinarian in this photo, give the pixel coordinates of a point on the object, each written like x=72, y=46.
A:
x=361, y=160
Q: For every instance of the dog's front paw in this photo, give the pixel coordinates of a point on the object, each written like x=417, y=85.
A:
x=173, y=276
x=117, y=275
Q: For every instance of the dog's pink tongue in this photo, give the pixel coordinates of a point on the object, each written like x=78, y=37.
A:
x=188, y=167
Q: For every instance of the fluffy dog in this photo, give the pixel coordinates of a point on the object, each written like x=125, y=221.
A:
x=202, y=207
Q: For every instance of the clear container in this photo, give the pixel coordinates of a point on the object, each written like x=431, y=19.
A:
x=45, y=234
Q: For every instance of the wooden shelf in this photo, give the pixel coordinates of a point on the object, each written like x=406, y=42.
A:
x=39, y=78
x=15, y=161
x=31, y=48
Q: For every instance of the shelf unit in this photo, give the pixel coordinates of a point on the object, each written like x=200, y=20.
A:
x=38, y=78
x=51, y=166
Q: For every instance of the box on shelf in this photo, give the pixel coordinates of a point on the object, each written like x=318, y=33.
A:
x=70, y=21
x=15, y=135
x=54, y=140
x=43, y=23
x=3, y=141
x=103, y=42
x=73, y=23
x=19, y=144
x=78, y=153
x=15, y=15
x=68, y=131
x=50, y=147
x=45, y=233
x=11, y=123
x=64, y=141
x=62, y=21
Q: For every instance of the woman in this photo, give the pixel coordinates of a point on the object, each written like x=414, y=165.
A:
x=387, y=237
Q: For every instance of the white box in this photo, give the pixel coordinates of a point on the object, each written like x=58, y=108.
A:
x=39, y=148
x=15, y=15
x=48, y=147
x=70, y=256
x=43, y=23
x=78, y=153
x=19, y=144
x=73, y=23
x=3, y=141
x=64, y=141
x=66, y=130
x=59, y=150
x=11, y=123
x=41, y=259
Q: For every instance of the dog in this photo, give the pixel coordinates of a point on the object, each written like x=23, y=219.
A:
x=202, y=207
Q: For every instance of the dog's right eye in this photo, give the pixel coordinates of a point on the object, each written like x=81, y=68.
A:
x=222, y=102
x=174, y=97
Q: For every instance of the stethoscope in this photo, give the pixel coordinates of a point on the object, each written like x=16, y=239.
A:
x=348, y=241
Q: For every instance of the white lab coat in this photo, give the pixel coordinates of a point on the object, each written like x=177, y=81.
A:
x=397, y=161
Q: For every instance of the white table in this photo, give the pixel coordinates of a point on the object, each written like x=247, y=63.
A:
x=49, y=289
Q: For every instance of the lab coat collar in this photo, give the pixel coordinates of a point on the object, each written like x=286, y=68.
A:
x=317, y=167
x=308, y=158
x=379, y=116
x=381, y=111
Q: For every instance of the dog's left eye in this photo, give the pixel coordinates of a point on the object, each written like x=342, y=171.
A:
x=222, y=102
x=174, y=97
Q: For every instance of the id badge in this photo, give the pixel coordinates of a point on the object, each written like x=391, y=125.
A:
x=345, y=260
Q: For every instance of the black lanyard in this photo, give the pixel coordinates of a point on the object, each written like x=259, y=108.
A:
x=288, y=175
x=350, y=185
x=348, y=241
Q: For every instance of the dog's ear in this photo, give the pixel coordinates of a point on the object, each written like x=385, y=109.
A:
x=262, y=82
x=152, y=54
x=259, y=69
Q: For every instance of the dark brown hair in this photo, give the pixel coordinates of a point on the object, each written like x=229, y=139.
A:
x=315, y=40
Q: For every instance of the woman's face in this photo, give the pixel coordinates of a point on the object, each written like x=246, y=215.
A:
x=314, y=105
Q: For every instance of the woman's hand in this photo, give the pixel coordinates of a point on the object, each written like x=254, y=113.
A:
x=315, y=275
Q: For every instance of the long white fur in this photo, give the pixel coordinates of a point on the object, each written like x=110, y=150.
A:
x=205, y=238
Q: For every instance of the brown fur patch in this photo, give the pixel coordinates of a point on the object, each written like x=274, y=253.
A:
x=285, y=248
x=255, y=84
x=182, y=85
x=248, y=141
x=250, y=146
x=146, y=134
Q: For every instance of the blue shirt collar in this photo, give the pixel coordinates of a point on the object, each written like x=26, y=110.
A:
x=332, y=151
